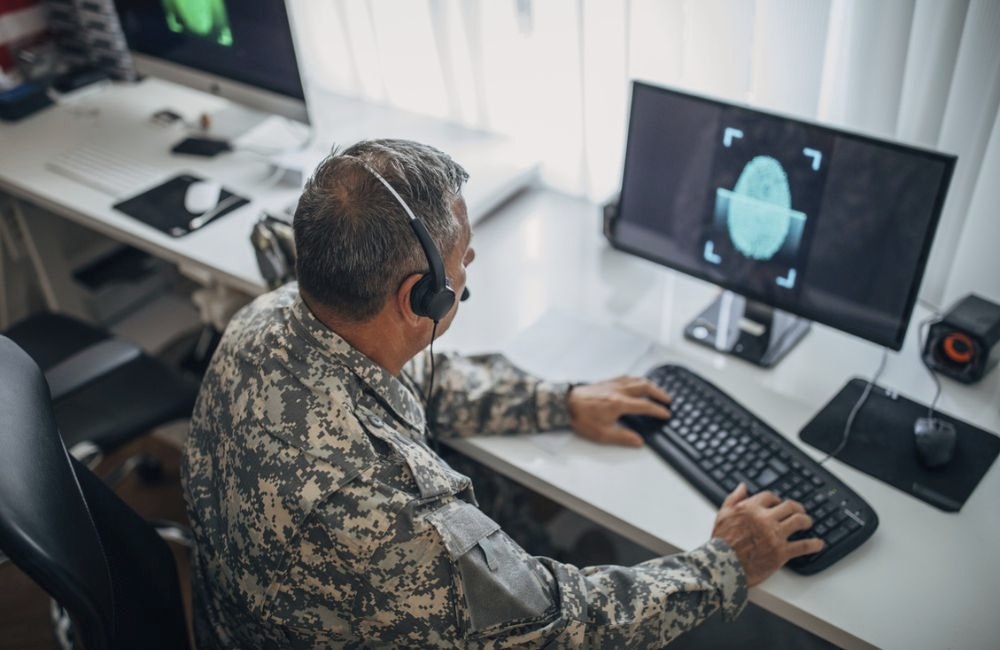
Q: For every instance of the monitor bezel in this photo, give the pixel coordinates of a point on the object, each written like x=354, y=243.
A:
x=247, y=95
x=240, y=92
x=949, y=160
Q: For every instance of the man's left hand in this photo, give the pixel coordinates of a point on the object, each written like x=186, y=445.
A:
x=594, y=409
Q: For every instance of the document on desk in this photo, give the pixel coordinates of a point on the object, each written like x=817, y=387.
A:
x=561, y=346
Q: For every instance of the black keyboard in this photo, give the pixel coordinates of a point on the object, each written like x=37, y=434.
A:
x=716, y=444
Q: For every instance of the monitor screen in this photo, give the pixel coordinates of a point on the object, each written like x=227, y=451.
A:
x=246, y=41
x=826, y=224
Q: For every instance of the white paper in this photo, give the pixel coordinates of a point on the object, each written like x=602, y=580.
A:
x=561, y=346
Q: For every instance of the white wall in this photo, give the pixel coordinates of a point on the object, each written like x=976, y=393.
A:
x=975, y=267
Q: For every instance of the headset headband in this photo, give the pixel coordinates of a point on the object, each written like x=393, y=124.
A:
x=435, y=300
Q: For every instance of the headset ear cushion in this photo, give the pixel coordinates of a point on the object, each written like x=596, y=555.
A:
x=426, y=301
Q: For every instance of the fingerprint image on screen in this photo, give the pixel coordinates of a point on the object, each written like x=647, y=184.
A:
x=205, y=19
x=768, y=182
x=758, y=211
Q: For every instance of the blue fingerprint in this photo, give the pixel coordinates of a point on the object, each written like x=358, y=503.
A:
x=760, y=212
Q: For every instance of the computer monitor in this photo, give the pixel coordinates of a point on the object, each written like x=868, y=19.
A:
x=797, y=221
x=242, y=50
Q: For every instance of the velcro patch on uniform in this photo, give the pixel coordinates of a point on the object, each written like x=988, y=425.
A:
x=461, y=525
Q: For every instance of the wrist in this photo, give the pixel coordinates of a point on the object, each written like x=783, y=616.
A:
x=552, y=405
x=571, y=397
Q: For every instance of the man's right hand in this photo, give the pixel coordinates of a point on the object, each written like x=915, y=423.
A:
x=758, y=527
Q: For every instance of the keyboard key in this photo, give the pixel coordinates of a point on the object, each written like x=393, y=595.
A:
x=779, y=467
x=836, y=536
x=766, y=477
x=752, y=486
x=683, y=444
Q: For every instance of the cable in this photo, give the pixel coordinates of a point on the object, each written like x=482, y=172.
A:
x=430, y=384
x=934, y=377
x=203, y=218
x=931, y=306
x=857, y=407
x=430, y=389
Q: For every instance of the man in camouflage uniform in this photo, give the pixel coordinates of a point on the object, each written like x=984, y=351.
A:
x=321, y=516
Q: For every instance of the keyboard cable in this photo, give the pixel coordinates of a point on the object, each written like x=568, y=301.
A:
x=857, y=407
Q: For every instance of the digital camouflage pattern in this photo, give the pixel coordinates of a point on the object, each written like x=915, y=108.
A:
x=323, y=519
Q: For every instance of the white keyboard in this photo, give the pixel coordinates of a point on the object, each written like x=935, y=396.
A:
x=105, y=170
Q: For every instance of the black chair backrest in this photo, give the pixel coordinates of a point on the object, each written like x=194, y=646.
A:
x=71, y=534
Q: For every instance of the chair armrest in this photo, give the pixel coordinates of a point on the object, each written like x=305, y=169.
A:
x=90, y=363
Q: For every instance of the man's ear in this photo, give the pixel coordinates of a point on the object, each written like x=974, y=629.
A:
x=403, y=304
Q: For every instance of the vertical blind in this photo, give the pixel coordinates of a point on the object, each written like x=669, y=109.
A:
x=555, y=75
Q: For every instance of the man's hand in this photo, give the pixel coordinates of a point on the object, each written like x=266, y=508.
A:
x=594, y=409
x=757, y=528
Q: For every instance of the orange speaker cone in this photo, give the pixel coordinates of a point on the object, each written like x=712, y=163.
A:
x=958, y=347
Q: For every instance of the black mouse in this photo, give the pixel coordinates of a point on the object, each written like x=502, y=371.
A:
x=935, y=440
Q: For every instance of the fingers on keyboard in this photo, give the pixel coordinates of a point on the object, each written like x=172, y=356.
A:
x=807, y=546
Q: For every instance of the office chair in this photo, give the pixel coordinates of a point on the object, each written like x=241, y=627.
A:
x=105, y=391
x=71, y=534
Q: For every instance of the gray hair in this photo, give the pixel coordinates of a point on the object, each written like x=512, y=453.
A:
x=354, y=243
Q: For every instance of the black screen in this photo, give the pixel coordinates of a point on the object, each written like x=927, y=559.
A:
x=830, y=225
x=249, y=41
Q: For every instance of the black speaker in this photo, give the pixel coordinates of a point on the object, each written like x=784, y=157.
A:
x=964, y=344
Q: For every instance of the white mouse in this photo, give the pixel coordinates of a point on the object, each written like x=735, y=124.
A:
x=202, y=196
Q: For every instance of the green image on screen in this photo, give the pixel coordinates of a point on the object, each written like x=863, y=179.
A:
x=202, y=18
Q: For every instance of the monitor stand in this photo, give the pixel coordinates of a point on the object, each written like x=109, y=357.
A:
x=283, y=141
x=747, y=329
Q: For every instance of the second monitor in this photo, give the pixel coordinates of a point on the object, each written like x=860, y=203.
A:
x=798, y=222
x=243, y=51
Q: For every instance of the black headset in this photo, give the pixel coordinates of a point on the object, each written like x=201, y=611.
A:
x=432, y=295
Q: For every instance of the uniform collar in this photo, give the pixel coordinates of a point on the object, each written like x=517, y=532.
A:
x=386, y=388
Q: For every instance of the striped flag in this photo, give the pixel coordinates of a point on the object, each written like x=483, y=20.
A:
x=23, y=23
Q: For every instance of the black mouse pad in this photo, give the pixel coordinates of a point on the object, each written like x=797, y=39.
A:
x=162, y=207
x=882, y=444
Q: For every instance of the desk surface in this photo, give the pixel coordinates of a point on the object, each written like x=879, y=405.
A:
x=117, y=119
x=926, y=579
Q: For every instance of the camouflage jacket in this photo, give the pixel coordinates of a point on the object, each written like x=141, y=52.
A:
x=323, y=519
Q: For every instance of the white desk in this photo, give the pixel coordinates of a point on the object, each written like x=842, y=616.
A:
x=117, y=119
x=926, y=579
